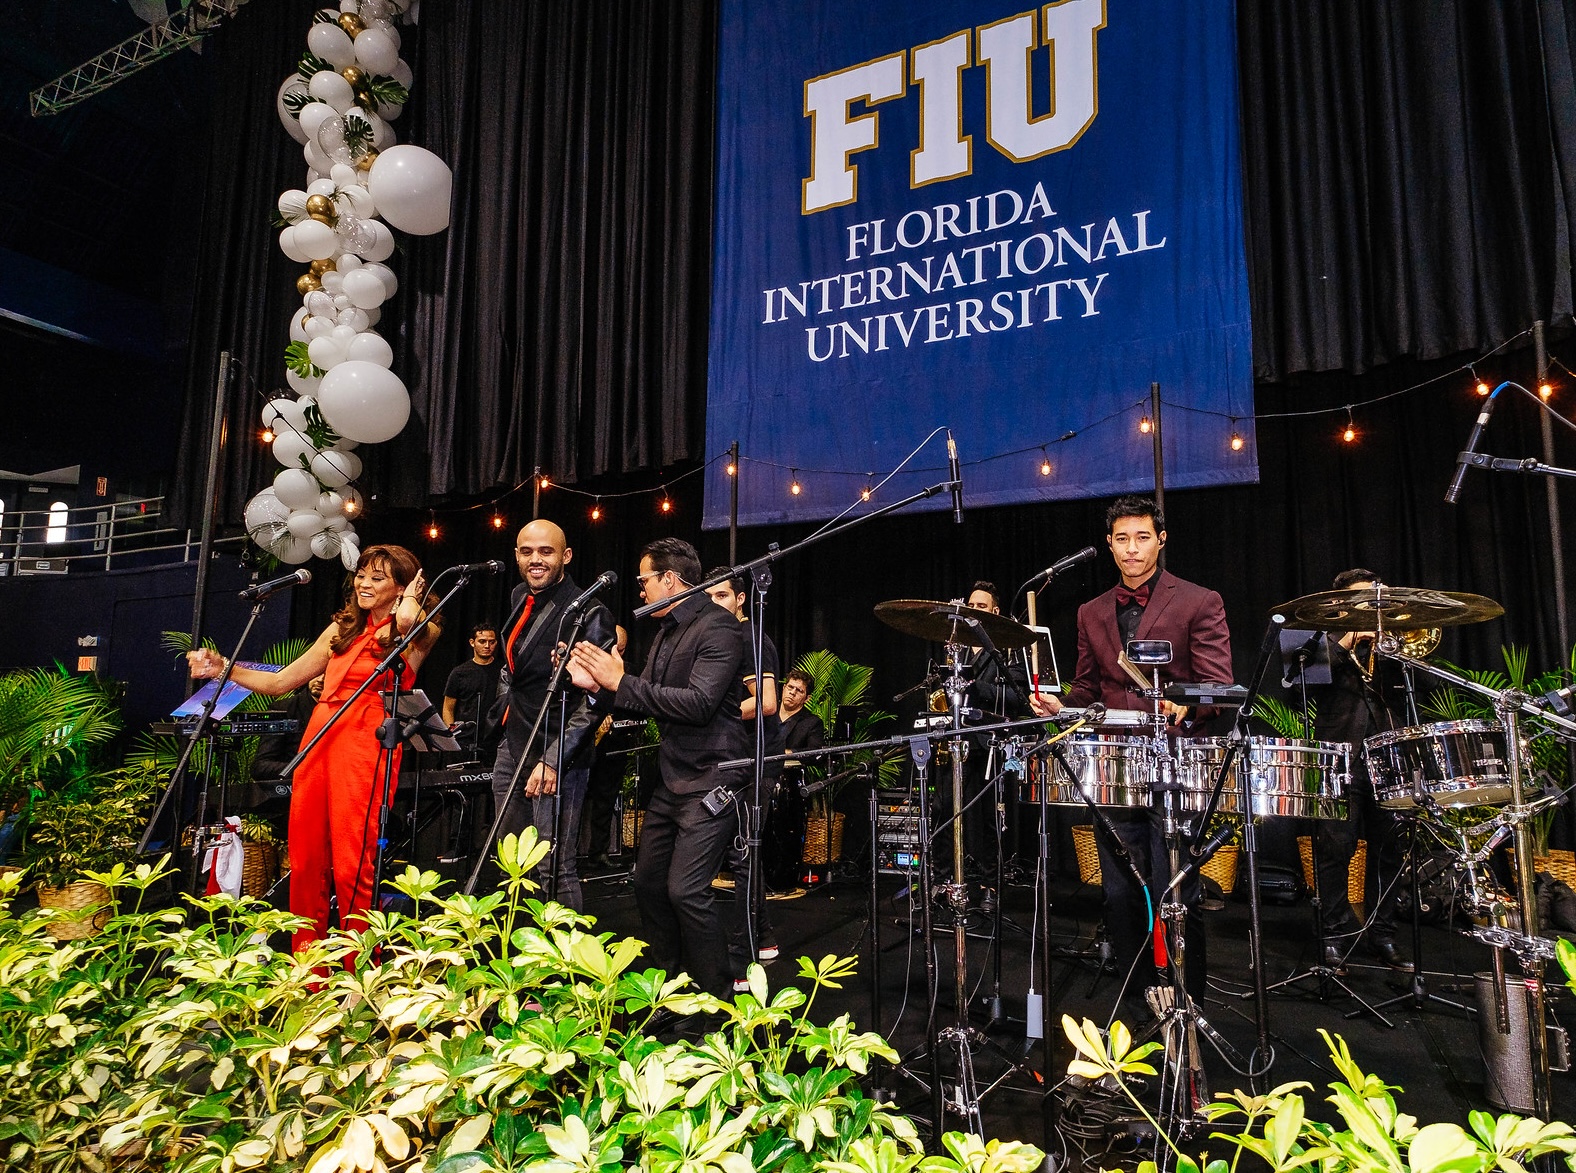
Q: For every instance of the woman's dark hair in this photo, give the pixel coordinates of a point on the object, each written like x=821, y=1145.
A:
x=674, y=554
x=403, y=566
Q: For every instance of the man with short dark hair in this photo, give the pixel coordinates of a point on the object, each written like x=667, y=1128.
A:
x=693, y=686
x=802, y=729
x=1149, y=604
x=471, y=689
x=1355, y=705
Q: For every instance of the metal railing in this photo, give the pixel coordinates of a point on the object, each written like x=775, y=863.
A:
x=131, y=530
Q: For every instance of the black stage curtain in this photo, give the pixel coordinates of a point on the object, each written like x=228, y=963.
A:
x=560, y=321
x=1410, y=171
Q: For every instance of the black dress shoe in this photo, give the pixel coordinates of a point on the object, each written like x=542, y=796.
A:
x=1387, y=954
x=1334, y=958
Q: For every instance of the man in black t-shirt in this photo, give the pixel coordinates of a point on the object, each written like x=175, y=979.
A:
x=470, y=690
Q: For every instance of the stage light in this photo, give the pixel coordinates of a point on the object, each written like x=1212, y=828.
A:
x=268, y=435
x=1146, y=425
x=596, y=510
x=1045, y=462
x=794, y=486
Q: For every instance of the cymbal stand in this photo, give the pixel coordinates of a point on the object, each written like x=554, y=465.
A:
x=1417, y=993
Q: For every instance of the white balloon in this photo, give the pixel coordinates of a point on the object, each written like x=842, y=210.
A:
x=298, y=325
x=411, y=187
x=284, y=414
x=373, y=316
x=344, y=175
x=370, y=347
x=348, y=262
x=319, y=326
x=288, y=245
x=290, y=550
x=303, y=523
x=327, y=86
x=329, y=42
x=353, y=503
x=402, y=74
x=349, y=553
x=319, y=303
x=314, y=238
x=345, y=445
x=364, y=401
x=303, y=385
x=312, y=175
x=291, y=447
x=343, y=335
x=292, y=204
x=385, y=275
x=383, y=136
x=358, y=199
x=350, y=5
x=341, y=302
x=336, y=524
x=325, y=544
x=364, y=288
x=334, y=468
x=322, y=187
x=331, y=503
x=291, y=84
x=375, y=51
x=296, y=488
x=316, y=160
x=325, y=351
x=382, y=246
x=264, y=510
x=355, y=318
x=312, y=116
x=333, y=282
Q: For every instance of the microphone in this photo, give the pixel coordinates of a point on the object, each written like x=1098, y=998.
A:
x=1464, y=458
x=1066, y=563
x=606, y=579
x=492, y=567
x=263, y=589
x=956, y=473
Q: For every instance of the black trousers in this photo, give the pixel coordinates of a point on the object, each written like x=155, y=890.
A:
x=1126, y=912
x=681, y=849
x=1365, y=819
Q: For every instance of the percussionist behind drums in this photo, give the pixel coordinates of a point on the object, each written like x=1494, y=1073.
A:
x=1148, y=604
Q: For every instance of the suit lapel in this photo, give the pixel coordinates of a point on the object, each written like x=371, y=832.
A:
x=1164, y=592
x=540, y=615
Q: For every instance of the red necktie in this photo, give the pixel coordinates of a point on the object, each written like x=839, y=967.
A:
x=1126, y=596
x=525, y=617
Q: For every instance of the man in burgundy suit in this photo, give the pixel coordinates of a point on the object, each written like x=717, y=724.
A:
x=1150, y=604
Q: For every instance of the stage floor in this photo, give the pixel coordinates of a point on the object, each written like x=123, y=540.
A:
x=1431, y=1053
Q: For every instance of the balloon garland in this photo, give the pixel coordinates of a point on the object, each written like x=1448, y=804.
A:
x=350, y=85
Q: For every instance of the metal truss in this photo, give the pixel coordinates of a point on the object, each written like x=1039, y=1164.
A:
x=158, y=41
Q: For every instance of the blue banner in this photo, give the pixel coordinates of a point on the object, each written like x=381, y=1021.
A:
x=1006, y=223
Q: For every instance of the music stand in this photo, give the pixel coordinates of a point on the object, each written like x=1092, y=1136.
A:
x=422, y=728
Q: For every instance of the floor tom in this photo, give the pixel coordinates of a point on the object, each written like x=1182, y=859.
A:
x=1453, y=763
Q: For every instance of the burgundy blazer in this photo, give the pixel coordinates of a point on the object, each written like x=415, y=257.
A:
x=1192, y=617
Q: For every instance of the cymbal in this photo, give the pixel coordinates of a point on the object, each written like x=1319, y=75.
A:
x=948, y=623
x=1400, y=608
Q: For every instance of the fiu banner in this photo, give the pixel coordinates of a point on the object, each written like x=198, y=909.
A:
x=1002, y=220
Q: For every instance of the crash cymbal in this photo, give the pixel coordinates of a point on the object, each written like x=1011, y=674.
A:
x=948, y=623
x=1401, y=608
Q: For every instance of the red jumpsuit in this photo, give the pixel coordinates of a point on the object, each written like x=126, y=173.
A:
x=333, y=819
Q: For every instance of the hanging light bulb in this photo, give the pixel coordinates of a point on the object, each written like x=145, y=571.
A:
x=733, y=469
x=1350, y=434
x=432, y=527
x=545, y=480
x=794, y=486
x=1482, y=386
x=1236, y=438
x=268, y=435
x=1146, y=425
x=1045, y=462
x=667, y=504
x=497, y=520
x=596, y=510
x=864, y=493
x=1545, y=390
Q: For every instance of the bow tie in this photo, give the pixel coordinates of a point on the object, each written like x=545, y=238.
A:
x=1125, y=597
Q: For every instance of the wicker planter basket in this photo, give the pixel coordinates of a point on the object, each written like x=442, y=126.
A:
x=74, y=897
x=1356, y=871
x=633, y=820
x=1088, y=855
x=259, y=869
x=1559, y=864
x=1222, y=867
x=823, y=838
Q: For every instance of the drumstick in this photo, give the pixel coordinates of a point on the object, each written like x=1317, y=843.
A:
x=1034, y=648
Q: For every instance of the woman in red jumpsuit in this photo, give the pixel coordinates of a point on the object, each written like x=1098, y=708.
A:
x=333, y=813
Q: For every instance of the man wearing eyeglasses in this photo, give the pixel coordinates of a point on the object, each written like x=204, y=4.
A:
x=693, y=686
x=533, y=630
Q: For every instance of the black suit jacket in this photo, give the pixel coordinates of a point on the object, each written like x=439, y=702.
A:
x=533, y=671
x=692, y=685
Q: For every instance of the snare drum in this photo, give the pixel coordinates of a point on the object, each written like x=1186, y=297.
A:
x=1294, y=779
x=1111, y=770
x=1455, y=763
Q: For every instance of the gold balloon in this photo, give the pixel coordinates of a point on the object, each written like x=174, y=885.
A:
x=319, y=205
x=353, y=75
x=322, y=266
x=365, y=162
x=306, y=283
x=351, y=23
x=329, y=220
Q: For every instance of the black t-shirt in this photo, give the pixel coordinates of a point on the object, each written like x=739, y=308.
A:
x=471, y=683
x=774, y=730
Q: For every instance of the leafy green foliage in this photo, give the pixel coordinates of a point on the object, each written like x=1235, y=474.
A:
x=309, y=65
x=317, y=429
x=838, y=685
x=1283, y=719
x=295, y=101
x=73, y=834
x=50, y=722
x=494, y=1033
x=386, y=91
x=296, y=359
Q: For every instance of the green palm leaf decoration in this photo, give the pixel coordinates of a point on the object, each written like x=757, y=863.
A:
x=49, y=720
x=839, y=684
